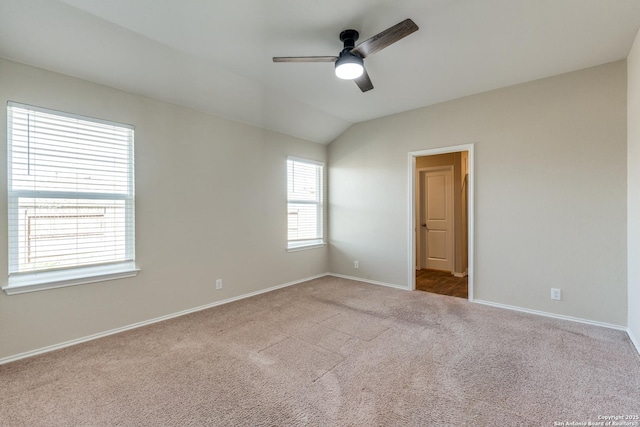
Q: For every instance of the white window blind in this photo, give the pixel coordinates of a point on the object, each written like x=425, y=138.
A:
x=305, y=203
x=71, y=192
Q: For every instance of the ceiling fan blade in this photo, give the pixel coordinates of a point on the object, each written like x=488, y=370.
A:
x=364, y=82
x=305, y=58
x=385, y=38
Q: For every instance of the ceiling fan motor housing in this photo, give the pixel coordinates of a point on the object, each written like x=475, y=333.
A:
x=349, y=38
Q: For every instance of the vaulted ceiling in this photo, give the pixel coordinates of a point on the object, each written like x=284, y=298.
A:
x=216, y=55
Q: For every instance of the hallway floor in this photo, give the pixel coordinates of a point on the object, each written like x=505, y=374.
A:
x=441, y=282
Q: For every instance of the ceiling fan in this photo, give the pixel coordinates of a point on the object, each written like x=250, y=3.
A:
x=349, y=64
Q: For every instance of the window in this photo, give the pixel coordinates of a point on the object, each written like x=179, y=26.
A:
x=305, y=203
x=71, y=204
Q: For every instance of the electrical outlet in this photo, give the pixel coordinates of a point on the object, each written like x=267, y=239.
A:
x=356, y=265
x=218, y=284
x=556, y=294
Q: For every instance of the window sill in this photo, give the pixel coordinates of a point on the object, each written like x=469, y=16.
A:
x=32, y=282
x=304, y=247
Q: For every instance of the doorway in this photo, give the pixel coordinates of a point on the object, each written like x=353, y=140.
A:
x=441, y=212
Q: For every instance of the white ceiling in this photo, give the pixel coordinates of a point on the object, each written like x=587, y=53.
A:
x=215, y=55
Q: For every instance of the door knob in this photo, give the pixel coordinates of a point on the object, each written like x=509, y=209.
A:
x=424, y=225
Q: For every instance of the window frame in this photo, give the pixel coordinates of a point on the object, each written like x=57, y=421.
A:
x=40, y=279
x=318, y=242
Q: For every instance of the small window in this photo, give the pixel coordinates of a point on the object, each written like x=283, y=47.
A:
x=71, y=204
x=305, y=203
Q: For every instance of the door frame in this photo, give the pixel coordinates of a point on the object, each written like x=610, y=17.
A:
x=412, y=192
x=450, y=196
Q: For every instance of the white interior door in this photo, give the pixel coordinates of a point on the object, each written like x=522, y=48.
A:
x=437, y=219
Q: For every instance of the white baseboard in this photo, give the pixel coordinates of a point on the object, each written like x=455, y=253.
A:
x=149, y=322
x=69, y=343
x=634, y=340
x=373, y=282
x=553, y=315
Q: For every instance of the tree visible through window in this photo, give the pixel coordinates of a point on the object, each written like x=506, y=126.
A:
x=70, y=182
x=305, y=203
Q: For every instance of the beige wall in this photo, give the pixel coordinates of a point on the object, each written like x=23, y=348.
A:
x=541, y=220
x=633, y=189
x=210, y=203
x=550, y=192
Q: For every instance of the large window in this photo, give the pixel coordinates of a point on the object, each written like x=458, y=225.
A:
x=305, y=203
x=71, y=204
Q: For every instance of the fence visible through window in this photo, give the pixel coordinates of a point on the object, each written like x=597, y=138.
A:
x=57, y=236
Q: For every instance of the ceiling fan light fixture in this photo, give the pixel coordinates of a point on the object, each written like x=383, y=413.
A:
x=349, y=66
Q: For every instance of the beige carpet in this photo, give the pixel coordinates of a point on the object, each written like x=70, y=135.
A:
x=332, y=352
